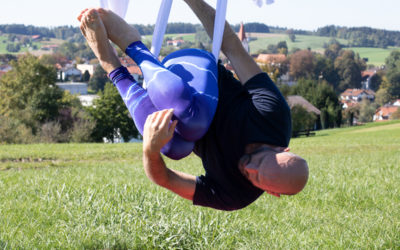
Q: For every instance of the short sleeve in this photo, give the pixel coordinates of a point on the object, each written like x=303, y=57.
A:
x=207, y=194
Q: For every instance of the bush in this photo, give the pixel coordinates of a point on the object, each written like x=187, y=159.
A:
x=302, y=119
x=50, y=132
x=13, y=131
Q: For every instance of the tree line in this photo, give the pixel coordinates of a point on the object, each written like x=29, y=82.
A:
x=362, y=36
x=357, y=36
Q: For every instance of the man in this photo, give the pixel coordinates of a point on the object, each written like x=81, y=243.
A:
x=244, y=151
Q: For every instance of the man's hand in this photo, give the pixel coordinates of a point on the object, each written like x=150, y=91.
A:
x=158, y=131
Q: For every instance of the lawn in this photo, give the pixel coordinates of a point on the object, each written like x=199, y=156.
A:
x=376, y=56
x=97, y=196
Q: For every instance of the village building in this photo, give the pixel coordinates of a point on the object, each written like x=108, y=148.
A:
x=175, y=43
x=396, y=103
x=366, y=77
x=79, y=88
x=243, y=38
x=384, y=113
x=86, y=67
x=351, y=97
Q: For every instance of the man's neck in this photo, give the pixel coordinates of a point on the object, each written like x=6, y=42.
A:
x=254, y=146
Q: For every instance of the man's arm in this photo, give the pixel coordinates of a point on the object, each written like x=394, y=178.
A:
x=243, y=64
x=157, y=132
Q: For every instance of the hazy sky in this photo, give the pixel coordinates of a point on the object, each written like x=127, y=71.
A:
x=298, y=14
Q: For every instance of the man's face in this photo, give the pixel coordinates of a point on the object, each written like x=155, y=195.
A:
x=258, y=168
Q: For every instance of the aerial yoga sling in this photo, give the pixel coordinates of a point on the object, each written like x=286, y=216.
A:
x=186, y=80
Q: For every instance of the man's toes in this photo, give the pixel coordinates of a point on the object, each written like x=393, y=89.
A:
x=92, y=14
x=81, y=14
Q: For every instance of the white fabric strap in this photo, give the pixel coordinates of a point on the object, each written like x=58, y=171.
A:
x=161, y=26
x=219, y=25
x=162, y=20
x=118, y=6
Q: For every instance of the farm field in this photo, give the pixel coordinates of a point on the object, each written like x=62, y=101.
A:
x=97, y=196
x=3, y=45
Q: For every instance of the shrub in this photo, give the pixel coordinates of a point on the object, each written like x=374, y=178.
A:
x=13, y=131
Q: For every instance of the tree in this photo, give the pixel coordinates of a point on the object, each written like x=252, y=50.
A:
x=98, y=79
x=382, y=96
x=396, y=115
x=111, y=116
x=86, y=76
x=302, y=119
x=349, y=67
x=393, y=73
x=367, y=111
x=28, y=92
x=302, y=64
x=325, y=70
x=323, y=96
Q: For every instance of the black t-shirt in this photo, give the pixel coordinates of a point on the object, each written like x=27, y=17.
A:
x=254, y=113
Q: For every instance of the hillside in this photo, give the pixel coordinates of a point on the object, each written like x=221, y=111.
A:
x=97, y=196
x=258, y=41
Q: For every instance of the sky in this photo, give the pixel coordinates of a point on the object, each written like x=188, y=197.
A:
x=296, y=14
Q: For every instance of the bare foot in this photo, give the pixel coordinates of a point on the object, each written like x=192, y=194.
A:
x=95, y=33
x=119, y=31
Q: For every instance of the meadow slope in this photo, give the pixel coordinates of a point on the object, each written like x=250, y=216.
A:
x=97, y=196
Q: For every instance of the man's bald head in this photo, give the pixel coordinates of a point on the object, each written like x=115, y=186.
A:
x=276, y=172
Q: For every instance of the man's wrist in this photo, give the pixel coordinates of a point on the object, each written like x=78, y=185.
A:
x=150, y=153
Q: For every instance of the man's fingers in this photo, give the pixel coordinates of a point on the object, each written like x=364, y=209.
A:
x=167, y=118
x=172, y=127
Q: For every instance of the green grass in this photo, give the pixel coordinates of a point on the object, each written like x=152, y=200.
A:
x=376, y=56
x=97, y=196
x=4, y=42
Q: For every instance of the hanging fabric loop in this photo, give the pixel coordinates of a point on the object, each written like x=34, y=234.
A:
x=162, y=20
x=161, y=26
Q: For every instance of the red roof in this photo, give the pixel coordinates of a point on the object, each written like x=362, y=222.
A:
x=357, y=92
x=271, y=58
x=127, y=61
x=368, y=73
x=386, y=110
x=2, y=73
x=134, y=70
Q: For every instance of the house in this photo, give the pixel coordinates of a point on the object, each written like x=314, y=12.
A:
x=384, y=113
x=243, y=38
x=348, y=104
x=133, y=68
x=175, y=43
x=80, y=88
x=366, y=77
x=87, y=100
x=69, y=73
x=270, y=59
x=396, y=103
x=86, y=67
x=357, y=95
x=299, y=100
x=36, y=38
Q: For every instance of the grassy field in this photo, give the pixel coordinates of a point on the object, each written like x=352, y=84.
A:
x=97, y=196
x=4, y=42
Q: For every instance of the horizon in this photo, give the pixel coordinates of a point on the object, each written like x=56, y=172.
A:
x=308, y=15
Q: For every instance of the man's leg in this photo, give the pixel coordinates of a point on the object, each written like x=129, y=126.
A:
x=135, y=97
x=165, y=88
